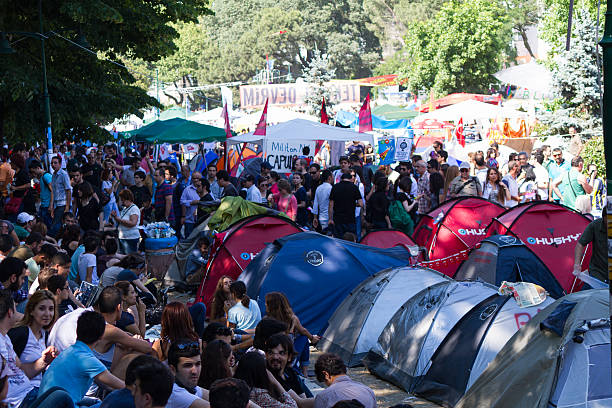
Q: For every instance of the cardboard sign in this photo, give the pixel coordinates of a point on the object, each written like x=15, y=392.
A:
x=281, y=154
x=386, y=150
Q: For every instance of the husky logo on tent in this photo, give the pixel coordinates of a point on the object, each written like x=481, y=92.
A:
x=471, y=231
x=488, y=311
x=553, y=240
x=247, y=256
x=315, y=258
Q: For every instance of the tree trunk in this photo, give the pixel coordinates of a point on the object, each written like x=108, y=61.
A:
x=523, y=33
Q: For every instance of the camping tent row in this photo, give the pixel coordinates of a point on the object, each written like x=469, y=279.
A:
x=548, y=230
x=423, y=331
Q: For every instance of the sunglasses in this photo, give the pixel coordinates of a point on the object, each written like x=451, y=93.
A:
x=462, y=170
x=312, y=172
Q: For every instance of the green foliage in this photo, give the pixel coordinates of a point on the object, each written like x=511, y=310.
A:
x=85, y=91
x=593, y=153
x=553, y=25
x=316, y=74
x=459, y=49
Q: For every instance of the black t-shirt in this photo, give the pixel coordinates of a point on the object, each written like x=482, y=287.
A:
x=88, y=215
x=289, y=381
x=344, y=195
x=230, y=191
x=302, y=212
x=139, y=194
x=379, y=206
x=436, y=183
x=94, y=178
x=21, y=178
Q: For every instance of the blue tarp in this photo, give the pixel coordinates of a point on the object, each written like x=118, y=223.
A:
x=316, y=273
x=351, y=119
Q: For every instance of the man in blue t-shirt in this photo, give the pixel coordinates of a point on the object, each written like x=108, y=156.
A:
x=558, y=168
x=46, y=190
x=76, y=367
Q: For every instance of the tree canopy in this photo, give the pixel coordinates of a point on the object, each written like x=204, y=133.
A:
x=85, y=89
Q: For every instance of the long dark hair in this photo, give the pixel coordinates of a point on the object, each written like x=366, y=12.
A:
x=177, y=323
x=501, y=191
x=238, y=289
x=214, y=363
x=219, y=298
x=252, y=369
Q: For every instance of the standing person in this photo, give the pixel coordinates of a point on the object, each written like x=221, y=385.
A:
x=463, y=185
x=557, y=169
x=87, y=261
x=110, y=181
x=284, y=201
x=331, y=371
x=528, y=187
x=542, y=178
x=21, y=187
x=253, y=193
x=423, y=192
x=245, y=313
x=190, y=200
x=62, y=194
x=514, y=168
x=176, y=213
x=480, y=167
x=574, y=183
x=491, y=160
x=494, y=190
x=547, y=152
x=599, y=189
x=139, y=189
x=378, y=205
x=301, y=197
x=343, y=199
x=451, y=173
x=436, y=182
x=163, y=197
x=46, y=191
x=90, y=212
x=262, y=185
x=128, y=220
x=345, y=166
x=92, y=171
x=359, y=211
x=315, y=174
x=211, y=174
x=595, y=233
x=320, y=207
x=228, y=189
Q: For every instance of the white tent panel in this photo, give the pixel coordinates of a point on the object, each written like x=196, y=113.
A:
x=403, y=285
x=533, y=76
x=301, y=129
x=508, y=321
x=470, y=111
x=461, y=298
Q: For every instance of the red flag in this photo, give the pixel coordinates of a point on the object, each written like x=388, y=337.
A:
x=324, y=117
x=225, y=116
x=459, y=133
x=365, y=116
x=261, y=126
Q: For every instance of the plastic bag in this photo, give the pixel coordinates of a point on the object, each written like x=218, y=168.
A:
x=526, y=294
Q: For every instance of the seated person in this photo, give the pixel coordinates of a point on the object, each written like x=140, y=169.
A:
x=229, y=392
x=38, y=261
x=153, y=384
x=245, y=314
x=75, y=368
x=330, y=369
x=58, y=285
x=279, y=355
x=196, y=262
x=184, y=360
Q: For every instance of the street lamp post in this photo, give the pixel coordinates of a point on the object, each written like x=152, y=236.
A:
x=48, y=132
x=606, y=44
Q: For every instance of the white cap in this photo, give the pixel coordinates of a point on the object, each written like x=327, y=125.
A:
x=24, y=217
x=464, y=165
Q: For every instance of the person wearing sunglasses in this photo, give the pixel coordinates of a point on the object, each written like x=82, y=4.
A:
x=185, y=362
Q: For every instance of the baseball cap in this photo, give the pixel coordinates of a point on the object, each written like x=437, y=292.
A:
x=126, y=275
x=24, y=217
x=464, y=165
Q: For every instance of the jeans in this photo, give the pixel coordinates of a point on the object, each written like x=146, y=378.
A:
x=128, y=246
x=54, y=397
x=341, y=229
x=108, y=208
x=198, y=315
x=45, y=216
x=358, y=227
x=57, y=220
x=189, y=226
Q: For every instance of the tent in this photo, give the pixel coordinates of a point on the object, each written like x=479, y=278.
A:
x=439, y=342
x=301, y=129
x=548, y=364
x=392, y=112
x=177, y=130
x=470, y=111
x=505, y=258
x=316, y=273
x=356, y=324
x=233, y=249
x=387, y=238
x=457, y=97
x=455, y=225
x=233, y=209
x=533, y=76
x=433, y=124
x=551, y=231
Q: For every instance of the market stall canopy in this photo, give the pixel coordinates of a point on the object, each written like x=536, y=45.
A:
x=177, y=130
x=430, y=124
x=392, y=112
x=470, y=111
x=351, y=119
x=454, y=98
x=301, y=129
x=532, y=76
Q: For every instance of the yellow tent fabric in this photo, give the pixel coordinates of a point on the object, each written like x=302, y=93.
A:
x=233, y=209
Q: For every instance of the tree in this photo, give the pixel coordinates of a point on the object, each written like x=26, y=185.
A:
x=85, y=89
x=593, y=153
x=459, y=49
x=575, y=81
x=522, y=15
x=553, y=26
x=316, y=74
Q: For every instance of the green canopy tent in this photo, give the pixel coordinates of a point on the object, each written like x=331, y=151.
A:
x=176, y=130
x=171, y=113
x=391, y=112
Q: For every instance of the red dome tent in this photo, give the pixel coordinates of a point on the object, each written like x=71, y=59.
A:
x=454, y=226
x=551, y=231
x=386, y=238
x=234, y=248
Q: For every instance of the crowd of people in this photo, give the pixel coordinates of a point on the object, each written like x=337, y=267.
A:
x=76, y=301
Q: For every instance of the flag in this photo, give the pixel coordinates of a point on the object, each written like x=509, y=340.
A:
x=225, y=116
x=324, y=117
x=365, y=116
x=459, y=133
x=261, y=126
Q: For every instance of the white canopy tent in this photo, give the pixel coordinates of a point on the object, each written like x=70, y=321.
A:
x=532, y=76
x=470, y=111
x=275, y=115
x=301, y=129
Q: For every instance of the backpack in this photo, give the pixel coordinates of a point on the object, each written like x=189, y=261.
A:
x=400, y=219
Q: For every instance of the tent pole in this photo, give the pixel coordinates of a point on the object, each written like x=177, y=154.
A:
x=225, y=156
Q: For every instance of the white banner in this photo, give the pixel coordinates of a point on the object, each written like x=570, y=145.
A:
x=403, y=146
x=281, y=154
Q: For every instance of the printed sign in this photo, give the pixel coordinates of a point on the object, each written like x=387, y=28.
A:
x=403, y=146
x=254, y=96
x=386, y=150
x=281, y=154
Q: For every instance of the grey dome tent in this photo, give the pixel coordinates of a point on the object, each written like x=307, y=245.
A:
x=506, y=258
x=439, y=342
x=356, y=324
x=551, y=364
